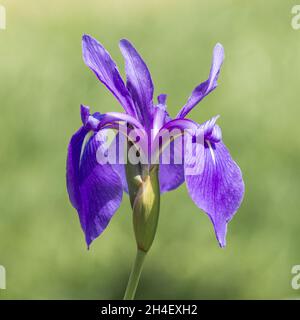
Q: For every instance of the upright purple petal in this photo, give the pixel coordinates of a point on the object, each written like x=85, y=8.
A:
x=90, y=122
x=160, y=114
x=207, y=86
x=100, y=62
x=139, y=82
x=219, y=189
x=84, y=113
x=95, y=190
x=162, y=99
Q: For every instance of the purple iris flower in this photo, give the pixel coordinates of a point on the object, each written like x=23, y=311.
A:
x=96, y=189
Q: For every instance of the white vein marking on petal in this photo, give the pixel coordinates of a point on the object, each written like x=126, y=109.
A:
x=211, y=151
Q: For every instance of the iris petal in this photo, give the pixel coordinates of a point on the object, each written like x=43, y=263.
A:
x=207, y=86
x=100, y=62
x=95, y=190
x=73, y=160
x=218, y=189
x=171, y=176
x=139, y=82
x=118, y=144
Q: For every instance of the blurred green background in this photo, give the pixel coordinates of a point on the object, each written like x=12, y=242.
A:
x=44, y=80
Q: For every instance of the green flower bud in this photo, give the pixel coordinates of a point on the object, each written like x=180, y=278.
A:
x=143, y=185
x=146, y=210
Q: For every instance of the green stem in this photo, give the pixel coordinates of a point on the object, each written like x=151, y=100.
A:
x=135, y=275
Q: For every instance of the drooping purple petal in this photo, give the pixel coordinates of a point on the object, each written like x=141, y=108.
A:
x=171, y=175
x=73, y=160
x=100, y=62
x=207, y=86
x=118, y=145
x=139, y=82
x=219, y=189
x=95, y=190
